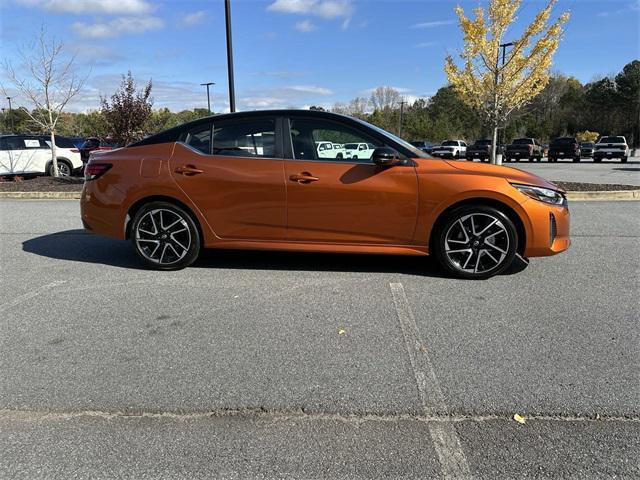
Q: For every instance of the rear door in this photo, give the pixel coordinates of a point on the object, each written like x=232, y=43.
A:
x=233, y=171
x=334, y=200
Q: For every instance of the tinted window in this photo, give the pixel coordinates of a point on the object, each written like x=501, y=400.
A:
x=483, y=142
x=523, y=141
x=305, y=134
x=247, y=139
x=587, y=145
x=91, y=143
x=612, y=140
x=563, y=141
x=199, y=138
x=450, y=143
x=64, y=142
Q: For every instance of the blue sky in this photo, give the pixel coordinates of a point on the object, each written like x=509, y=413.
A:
x=293, y=53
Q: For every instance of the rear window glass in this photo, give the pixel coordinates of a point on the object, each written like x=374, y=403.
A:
x=612, y=140
x=483, y=142
x=523, y=141
x=563, y=141
x=450, y=143
x=586, y=144
x=63, y=142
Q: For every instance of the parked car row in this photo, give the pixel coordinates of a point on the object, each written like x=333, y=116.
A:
x=31, y=154
x=531, y=149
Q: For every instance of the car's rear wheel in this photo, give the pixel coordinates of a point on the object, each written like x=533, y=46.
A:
x=476, y=242
x=165, y=236
x=623, y=159
x=597, y=160
x=64, y=169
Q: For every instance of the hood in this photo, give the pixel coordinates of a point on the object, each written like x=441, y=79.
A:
x=510, y=174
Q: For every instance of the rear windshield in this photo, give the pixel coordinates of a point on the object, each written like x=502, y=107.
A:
x=351, y=146
x=450, y=143
x=563, y=141
x=612, y=140
x=586, y=144
x=523, y=141
x=63, y=142
x=483, y=142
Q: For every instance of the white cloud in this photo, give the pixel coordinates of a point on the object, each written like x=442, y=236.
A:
x=195, y=18
x=109, y=7
x=118, y=26
x=311, y=89
x=436, y=23
x=320, y=8
x=305, y=26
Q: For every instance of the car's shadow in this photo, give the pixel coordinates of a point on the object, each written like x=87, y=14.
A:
x=79, y=246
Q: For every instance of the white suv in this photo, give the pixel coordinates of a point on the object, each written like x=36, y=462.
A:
x=31, y=154
x=450, y=149
x=611, y=147
x=362, y=151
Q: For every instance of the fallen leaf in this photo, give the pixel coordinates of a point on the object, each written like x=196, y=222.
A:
x=519, y=419
x=342, y=331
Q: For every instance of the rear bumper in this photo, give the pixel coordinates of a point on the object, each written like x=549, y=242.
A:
x=101, y=210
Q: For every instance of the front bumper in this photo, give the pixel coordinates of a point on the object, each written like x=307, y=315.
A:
x=550, y=229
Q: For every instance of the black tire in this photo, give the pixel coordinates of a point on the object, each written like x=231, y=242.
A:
x=339, y=156
x=624, y=159
x=64, y=168
x=183, y=255
x=446, y=230
x=355, y=157
x=550, y=159
x=470, y=159
x=576, y=159
x=597, y=159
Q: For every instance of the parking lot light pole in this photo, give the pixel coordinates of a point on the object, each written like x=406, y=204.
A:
x=208, y=98
x=494, y=145
x=10, y=114
x=232, y=92
x=402, y=104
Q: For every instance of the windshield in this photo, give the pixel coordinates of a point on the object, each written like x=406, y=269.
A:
x=415, y=152
x=483, y=142
x=523, y=141
x=351, y=146
x=586, y=144
x=450, y=143
x=612, y=140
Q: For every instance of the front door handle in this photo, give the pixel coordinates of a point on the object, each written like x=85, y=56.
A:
x=188, y=170
x=304, y=177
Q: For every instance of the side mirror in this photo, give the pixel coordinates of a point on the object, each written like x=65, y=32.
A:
x=386, y=157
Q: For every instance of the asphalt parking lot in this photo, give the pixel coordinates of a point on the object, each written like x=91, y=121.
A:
x=275, y=365
x=587, y=171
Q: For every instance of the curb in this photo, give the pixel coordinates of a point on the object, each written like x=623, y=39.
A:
x=42, y=195
x=616, y=195
x=619, y=195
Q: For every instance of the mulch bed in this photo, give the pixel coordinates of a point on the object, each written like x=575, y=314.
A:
x=74, y=184
x=594, y=187
x=42, y=184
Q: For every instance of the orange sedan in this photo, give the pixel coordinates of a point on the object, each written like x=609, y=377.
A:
x=316, y=182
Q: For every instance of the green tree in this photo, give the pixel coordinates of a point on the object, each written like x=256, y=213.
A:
x=628, y=92
x=128, y=111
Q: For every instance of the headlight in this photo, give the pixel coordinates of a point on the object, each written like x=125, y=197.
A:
x=545, y=195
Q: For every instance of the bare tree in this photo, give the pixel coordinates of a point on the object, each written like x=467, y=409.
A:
x=385, y=98
x=47, y=80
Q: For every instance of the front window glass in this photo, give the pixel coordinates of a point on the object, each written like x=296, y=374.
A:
x=450, y=143
x=308, y=135
x=522, y=141
x=245, y=139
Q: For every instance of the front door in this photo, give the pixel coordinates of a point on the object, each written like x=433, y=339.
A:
x=342, y=199
x=236, y=180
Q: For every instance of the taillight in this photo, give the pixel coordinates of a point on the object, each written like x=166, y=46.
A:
x=95, y=170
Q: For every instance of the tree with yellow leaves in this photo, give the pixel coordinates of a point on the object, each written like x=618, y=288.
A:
x=497, y=89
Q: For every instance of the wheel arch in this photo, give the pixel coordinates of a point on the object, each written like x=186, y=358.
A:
x=58, y=159
x=138, y=204
x=490, y=202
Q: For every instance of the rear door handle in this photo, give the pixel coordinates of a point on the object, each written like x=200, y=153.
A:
x=188, y=170
x=304, y=177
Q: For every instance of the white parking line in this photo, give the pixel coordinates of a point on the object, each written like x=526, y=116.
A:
x=29, y=295
x=443, y=434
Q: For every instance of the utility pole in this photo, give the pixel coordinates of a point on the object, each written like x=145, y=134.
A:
x=232, y=92
x=401, y=115
x=10, y=114
x=208, y=98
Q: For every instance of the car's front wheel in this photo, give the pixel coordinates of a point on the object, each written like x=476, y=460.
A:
x=475, y=242
x=165, y=237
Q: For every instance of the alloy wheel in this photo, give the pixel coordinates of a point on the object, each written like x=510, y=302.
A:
x=477, y=243
x=163, y=237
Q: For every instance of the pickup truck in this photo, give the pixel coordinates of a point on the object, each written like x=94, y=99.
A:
x=480, y=149
x=611, y=147
x=564, y=147
x=528, y=148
